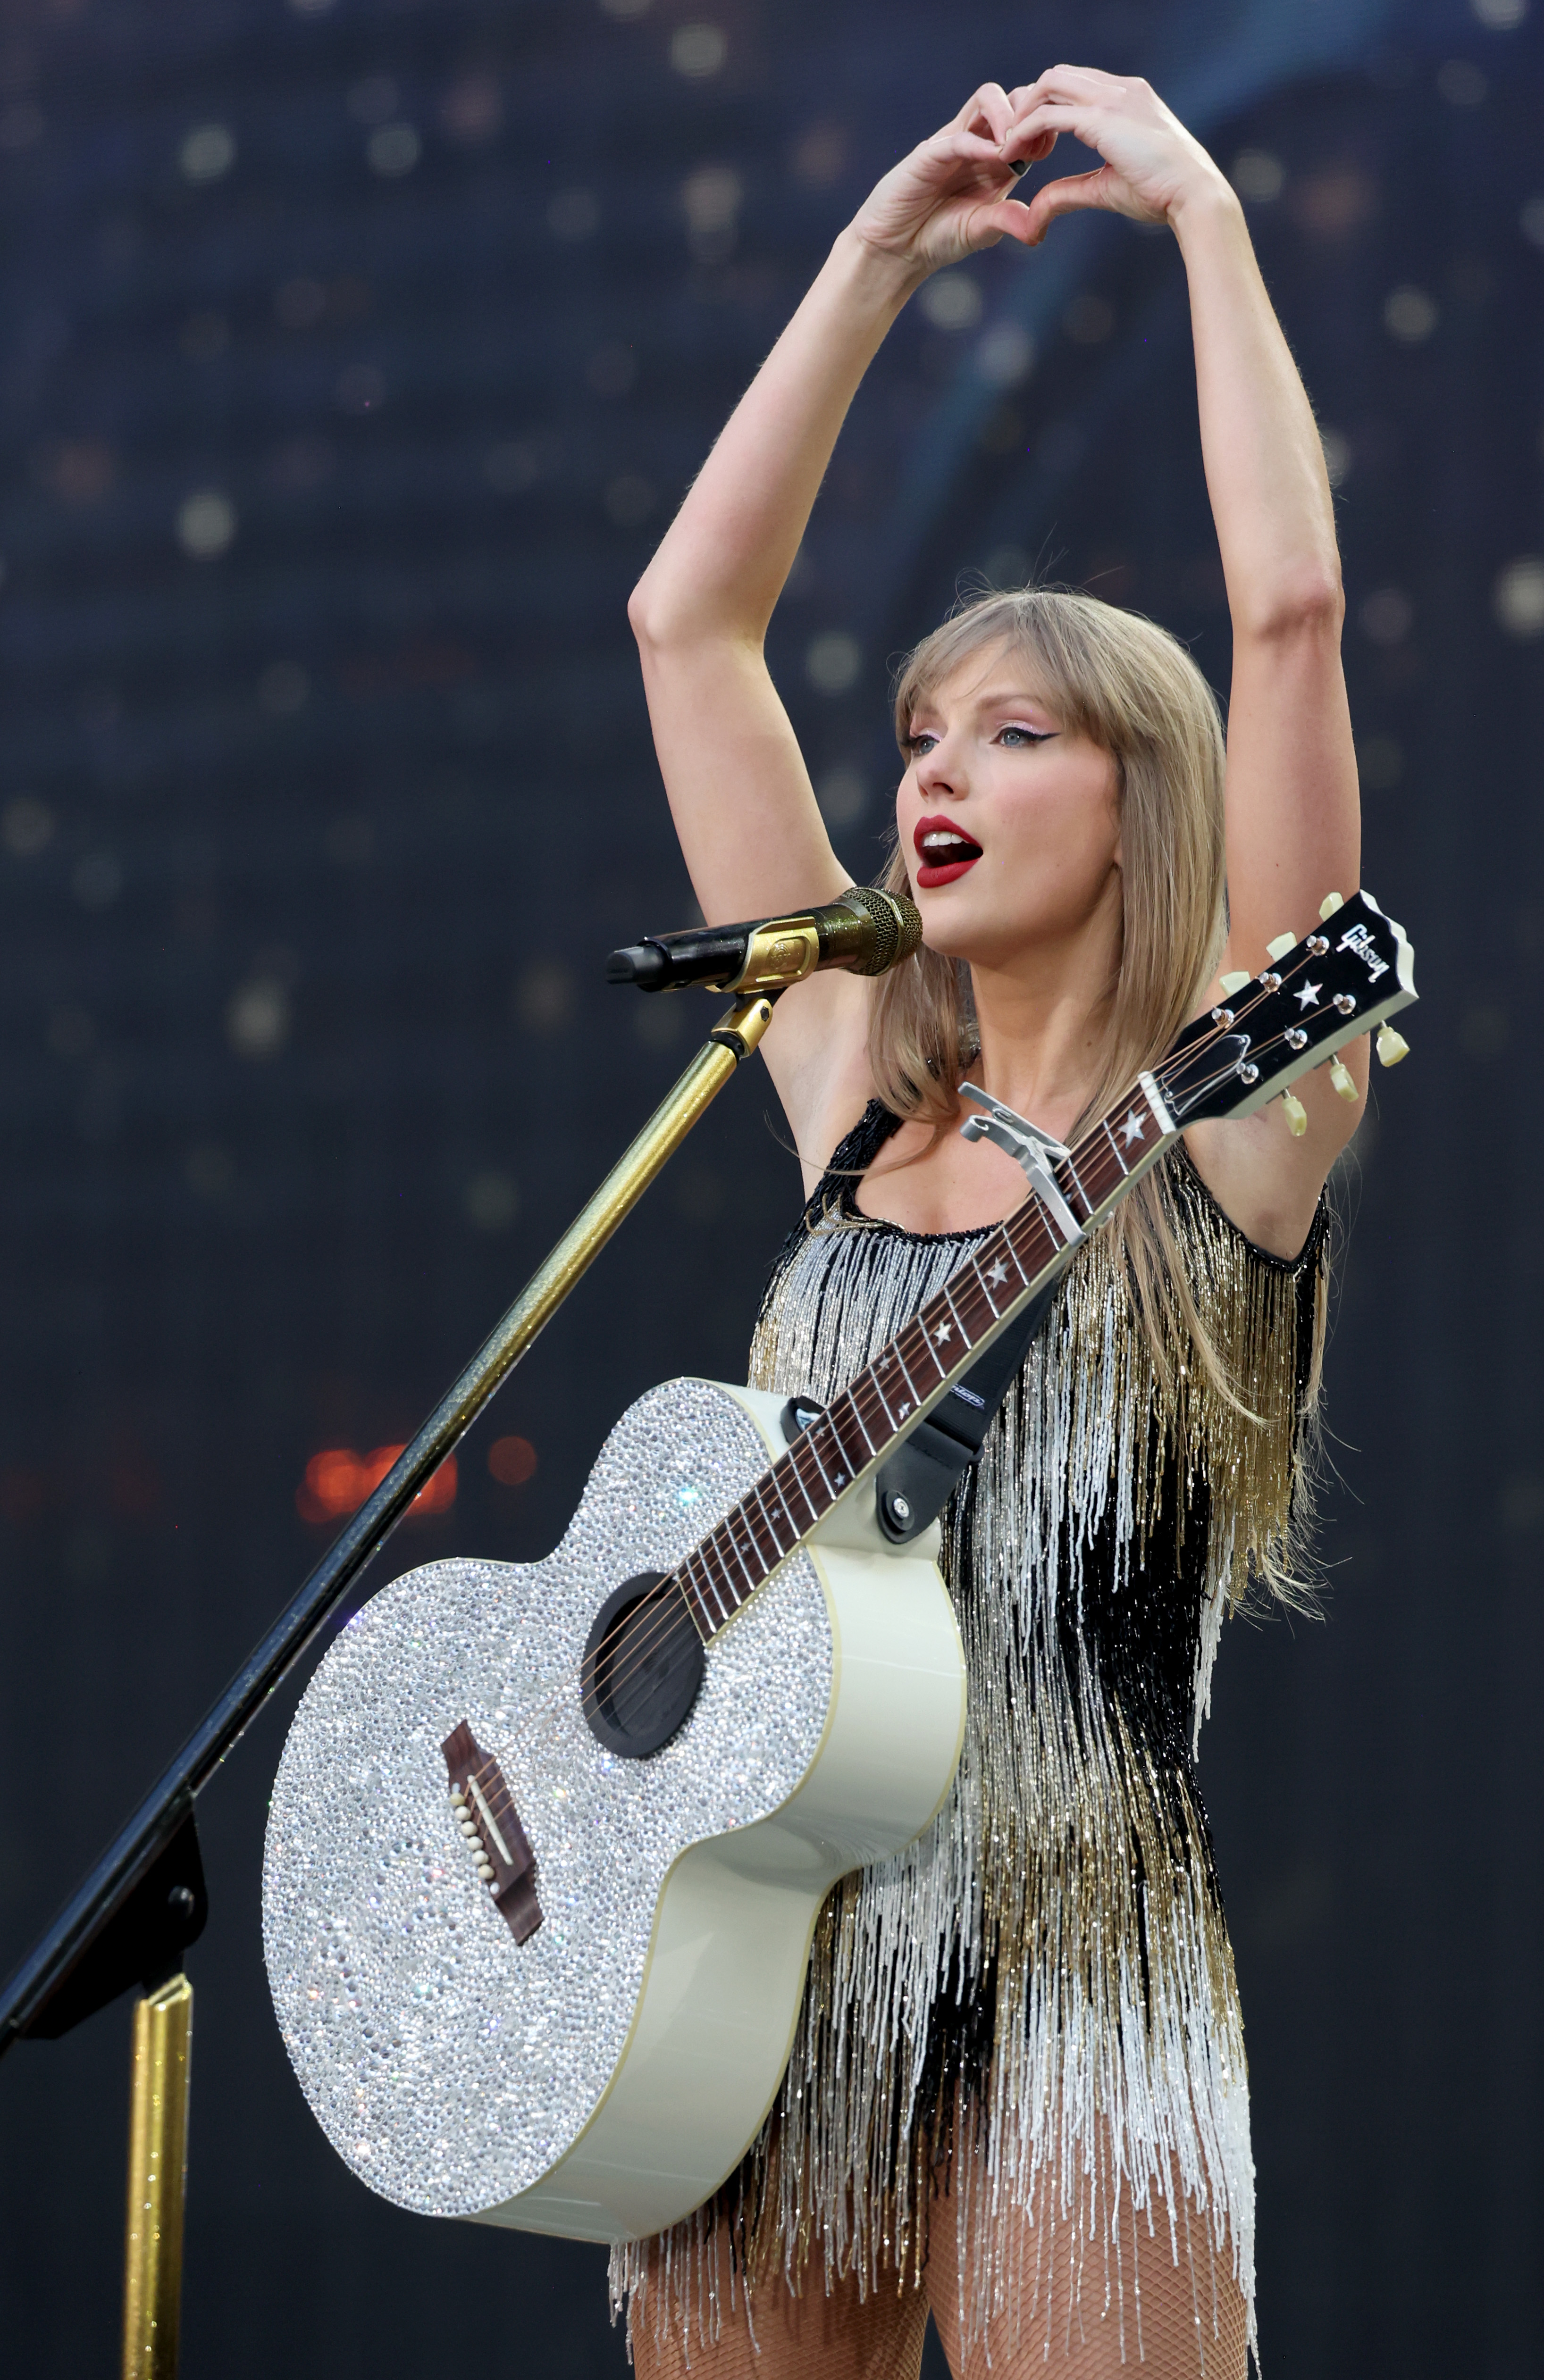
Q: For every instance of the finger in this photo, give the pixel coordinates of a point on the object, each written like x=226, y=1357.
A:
x=1020, y=150
x=1083, y=82
x=1034, y=135
x=973, y=150
x=1003, y=218
x=1065, y=198
x=988, y=112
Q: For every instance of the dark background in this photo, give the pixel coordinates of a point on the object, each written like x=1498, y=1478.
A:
x=352, y=357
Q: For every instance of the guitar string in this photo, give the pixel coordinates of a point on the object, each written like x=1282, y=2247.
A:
x=671, y=1614
x=671, y=1610
x=867, y=1397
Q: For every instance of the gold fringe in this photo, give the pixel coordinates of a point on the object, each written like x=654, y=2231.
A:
x=1066, y=1887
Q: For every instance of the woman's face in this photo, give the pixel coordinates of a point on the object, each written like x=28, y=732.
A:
x=1008, y=820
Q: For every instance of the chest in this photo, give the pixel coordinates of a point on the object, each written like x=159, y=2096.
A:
x=956, y=1185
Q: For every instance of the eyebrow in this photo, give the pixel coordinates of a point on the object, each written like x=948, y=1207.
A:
x=1005, y=700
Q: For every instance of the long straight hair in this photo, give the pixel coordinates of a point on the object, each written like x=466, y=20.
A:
x=1132, y=688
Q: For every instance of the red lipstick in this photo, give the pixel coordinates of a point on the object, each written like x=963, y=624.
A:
x=947, y=855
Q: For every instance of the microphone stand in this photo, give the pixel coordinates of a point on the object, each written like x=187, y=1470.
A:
x=145, y=1901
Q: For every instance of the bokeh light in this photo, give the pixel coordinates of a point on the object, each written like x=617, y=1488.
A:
x=512, y=1461
x=337, y=1480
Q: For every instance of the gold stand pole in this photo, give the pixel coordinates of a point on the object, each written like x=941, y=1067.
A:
x=157, y=2180
x=733, y=1038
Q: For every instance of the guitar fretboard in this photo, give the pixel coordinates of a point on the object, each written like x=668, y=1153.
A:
x=861, y=1426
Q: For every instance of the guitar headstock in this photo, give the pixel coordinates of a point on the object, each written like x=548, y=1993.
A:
x=1313, y=996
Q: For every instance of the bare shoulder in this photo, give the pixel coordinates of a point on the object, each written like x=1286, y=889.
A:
x=816, y=1053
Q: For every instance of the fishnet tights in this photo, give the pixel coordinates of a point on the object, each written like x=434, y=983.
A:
x=1165, y=2321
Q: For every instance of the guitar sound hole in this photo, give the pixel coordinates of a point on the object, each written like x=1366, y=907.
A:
x=642, y=1667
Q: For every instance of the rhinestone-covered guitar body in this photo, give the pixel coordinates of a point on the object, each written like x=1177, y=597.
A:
x=600, y=2077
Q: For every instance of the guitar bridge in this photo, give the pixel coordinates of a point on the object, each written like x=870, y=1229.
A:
x=489, y=1826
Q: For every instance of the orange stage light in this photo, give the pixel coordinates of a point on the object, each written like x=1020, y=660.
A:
x=338, y=1481
x=512, y=1461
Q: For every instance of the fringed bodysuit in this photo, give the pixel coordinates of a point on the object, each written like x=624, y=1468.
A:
x=1045, y=1973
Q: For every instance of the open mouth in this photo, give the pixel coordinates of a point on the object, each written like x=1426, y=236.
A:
x=943, y=851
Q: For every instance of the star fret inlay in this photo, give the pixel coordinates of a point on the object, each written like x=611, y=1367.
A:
x=1132, y=1128
x=998, y=1273
x=945, y=1330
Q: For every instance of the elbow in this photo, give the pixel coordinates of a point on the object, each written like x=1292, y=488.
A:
x=659, y=621
x=643, y=613
x=667, y=620
x=1305, y=601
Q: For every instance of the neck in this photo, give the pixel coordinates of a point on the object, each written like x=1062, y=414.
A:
x=1043, y=1014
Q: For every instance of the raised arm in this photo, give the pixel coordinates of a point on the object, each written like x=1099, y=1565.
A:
x=1292, y=815
x=752, y=836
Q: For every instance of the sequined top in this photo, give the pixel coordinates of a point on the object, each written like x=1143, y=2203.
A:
x=1050, y=1958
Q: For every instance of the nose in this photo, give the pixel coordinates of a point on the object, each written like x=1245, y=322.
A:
x=941, y=772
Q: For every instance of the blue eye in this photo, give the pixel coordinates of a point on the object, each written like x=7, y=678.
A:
x=1029, y=734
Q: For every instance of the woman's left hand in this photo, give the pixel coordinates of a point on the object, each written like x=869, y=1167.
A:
x=1151, y=164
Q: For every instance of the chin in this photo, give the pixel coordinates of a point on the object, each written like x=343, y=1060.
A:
x=958, y=931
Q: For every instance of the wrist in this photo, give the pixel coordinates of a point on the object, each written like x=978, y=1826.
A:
x=875, y=274
x=1207, y=206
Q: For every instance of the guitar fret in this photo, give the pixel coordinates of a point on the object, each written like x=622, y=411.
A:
x=726, y=1529
x=921, y=1325
x=727, y=1586
x=715, y=1545
x=691, y=1595
x=857, y=1412
x=929, y=1319
x=699, y=1556
x=964, y=1327
x=791, y=1461
x=981, y=1280
x=843, y=1478
x=771, y=1479
x=879, y=1391
x=1023, y=1278
x=772, y=1532
x=906, y=1374
x=1119, y=1159
x=1078, y=1182
x=885, y=1428
x=815, y=1458
x=743, y=1519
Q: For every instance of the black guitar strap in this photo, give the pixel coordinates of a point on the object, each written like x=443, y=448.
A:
x=917, y=1482
x=914, y=1486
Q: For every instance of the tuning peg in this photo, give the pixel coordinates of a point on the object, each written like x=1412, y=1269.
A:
x=1341, y=1080
x=1234, y=980
x=1392, y=1046
x=1331, y=902
x=1280, y=947
x=1296, y=1115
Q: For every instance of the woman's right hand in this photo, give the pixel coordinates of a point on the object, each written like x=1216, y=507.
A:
x=950, y=198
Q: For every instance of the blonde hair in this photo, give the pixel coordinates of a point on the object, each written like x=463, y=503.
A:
x=1132, y=688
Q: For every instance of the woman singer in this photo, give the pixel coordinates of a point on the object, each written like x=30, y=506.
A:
x=1016, y=2096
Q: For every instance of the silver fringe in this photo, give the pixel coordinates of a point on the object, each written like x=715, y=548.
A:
x=1116, y=2068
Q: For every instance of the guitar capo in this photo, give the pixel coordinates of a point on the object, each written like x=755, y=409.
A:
x=1036, y=1152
